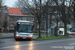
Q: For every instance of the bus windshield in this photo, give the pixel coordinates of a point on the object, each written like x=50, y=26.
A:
x=24, y=28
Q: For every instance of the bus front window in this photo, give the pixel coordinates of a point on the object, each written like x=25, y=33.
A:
x=24, y=28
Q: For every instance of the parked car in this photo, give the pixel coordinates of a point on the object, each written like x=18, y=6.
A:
x=43, y=31
x=72, y=32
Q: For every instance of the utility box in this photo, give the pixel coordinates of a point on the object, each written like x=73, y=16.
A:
x=53, y=31
x=61, y=31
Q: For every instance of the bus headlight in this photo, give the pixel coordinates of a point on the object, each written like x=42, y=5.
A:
x=31, y=35
x=17, y=34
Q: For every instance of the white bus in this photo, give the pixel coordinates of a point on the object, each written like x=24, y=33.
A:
x=23, y=30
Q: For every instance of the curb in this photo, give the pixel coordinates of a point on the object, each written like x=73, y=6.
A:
x=53, y=39
x=6, y=37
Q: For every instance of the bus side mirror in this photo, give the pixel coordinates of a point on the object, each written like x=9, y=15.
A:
x=33, y=26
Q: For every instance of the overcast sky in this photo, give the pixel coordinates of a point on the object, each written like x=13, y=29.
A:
x=9, y=3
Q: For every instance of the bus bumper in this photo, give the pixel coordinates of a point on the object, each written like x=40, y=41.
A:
x=17, y=37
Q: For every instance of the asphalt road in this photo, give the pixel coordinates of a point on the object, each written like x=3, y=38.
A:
x=57, y=44
x=9, y=35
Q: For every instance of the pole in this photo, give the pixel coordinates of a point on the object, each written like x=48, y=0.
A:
x=47, y=20
x=74, y=10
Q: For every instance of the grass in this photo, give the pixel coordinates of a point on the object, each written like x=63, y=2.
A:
x=38, y=33
x=51, y=37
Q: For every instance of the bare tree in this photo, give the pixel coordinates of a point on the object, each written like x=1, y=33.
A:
x=62, y=12
x=36, y=7
x=1, y=3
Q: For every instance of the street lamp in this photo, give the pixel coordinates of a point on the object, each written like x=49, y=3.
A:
x=74, y=9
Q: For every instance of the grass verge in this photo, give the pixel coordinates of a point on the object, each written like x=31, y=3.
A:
x=51, y=37
x=38, y=33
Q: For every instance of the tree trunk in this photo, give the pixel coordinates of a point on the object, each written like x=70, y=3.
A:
x=36, y=27
x=57, y=29
x=39, y=29
x=40, y=18
x=65, y=29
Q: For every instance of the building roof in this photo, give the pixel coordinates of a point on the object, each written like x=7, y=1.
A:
x=14, y=11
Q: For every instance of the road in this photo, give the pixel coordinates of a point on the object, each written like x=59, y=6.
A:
x=56, y=44
x=11, y=35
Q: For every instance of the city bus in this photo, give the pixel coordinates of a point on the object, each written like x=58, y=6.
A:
x=23, y=30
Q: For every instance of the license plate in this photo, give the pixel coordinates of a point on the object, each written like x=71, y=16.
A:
x=24, y=37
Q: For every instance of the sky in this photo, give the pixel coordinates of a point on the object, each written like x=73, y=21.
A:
x=9, y=3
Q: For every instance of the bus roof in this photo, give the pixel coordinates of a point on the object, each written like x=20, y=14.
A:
x=23, y=21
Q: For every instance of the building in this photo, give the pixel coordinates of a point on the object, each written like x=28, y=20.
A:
x=11, y=15
x=15, y=14
x=3, y=17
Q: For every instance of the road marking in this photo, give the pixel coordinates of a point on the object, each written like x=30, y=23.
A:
x=72, y=44
x=37, y=43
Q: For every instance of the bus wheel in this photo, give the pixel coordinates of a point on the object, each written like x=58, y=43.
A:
x=16, y=39
x=30, y=39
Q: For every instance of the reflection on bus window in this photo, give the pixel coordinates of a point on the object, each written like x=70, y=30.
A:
x=24, y=28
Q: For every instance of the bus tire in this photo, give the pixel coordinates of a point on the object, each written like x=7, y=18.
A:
x=16, y=39
x=30, y=39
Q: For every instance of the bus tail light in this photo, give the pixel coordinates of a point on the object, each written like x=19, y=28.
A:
x=15, y=24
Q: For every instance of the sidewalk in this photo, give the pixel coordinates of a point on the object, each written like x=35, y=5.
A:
x=6, y=35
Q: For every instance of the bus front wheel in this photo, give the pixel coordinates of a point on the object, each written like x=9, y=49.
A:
x=16, y=39
x=30, y=39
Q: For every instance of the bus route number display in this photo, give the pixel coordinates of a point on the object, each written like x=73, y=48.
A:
x=24, y=23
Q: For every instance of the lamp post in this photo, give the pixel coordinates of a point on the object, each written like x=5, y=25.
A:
x=74, y=9
x=47, y=20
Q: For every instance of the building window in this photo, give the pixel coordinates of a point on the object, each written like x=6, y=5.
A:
x=55, y=11
x=5, y=17
x=53, y=21
x=58, y=16
x=66, y=10
x=32, y=19
x=18, y=13
x=11, y=18
x=28, y=19
x=72, y=10
x=0, y=22
x=53, y=16
x=24, y=18
x=37, y=25
x=12, y=25
x=11, y=13
x=72, y=16
x=42, y=25
x=18, y=18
